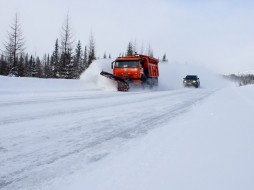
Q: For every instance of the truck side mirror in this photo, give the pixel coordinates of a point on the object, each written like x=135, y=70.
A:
x=112, y=65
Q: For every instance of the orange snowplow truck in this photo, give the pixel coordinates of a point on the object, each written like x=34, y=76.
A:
x=135, y=70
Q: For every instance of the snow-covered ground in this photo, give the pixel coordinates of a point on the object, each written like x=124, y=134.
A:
x=83, y=134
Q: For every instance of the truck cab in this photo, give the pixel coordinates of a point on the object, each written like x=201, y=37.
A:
x=133, y=67
x=128, y=68
x=141, y=70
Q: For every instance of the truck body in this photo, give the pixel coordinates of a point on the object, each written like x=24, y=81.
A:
x=138, y=70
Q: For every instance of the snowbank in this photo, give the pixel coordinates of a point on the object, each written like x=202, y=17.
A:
x=24, y=84
x=92, y=77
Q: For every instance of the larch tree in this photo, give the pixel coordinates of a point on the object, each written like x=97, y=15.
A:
x=15, y=46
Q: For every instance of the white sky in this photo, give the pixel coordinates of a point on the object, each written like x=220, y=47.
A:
x=217, y=33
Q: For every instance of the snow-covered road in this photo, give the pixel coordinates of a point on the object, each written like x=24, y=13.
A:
x=52, y=130
x=49, y=135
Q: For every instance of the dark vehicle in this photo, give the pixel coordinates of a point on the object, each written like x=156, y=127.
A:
x=191, y=80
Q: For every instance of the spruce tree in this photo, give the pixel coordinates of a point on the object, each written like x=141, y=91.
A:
x=134, y=47
x=27, y=66
x=31, y=72
x=164, y=58
x=91, y=50
x=85, y=60
x=21, y=66
x=49, y=73
x=45, y=66
x=55, y=62
x=129, y=49
x=38, y=67
x=66, y=65
x=104, y=55
x=4, y=69
x=77, y=65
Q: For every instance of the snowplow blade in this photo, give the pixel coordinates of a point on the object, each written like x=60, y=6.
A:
x=122, y=85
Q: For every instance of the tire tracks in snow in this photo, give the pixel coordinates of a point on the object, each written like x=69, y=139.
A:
x=88, y=142
x=29, y=117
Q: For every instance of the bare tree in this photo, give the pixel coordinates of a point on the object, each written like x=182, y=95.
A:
x=15, y=45
x=142, y=49
x=135, y=47
x=149, y=51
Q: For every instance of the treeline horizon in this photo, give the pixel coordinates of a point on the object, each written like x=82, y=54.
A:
x=66, y=61
x=243, y=79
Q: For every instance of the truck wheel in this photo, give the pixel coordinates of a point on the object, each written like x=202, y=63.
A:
x=143, y=78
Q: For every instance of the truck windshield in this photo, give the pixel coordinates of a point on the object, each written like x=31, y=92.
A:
x=126, y=64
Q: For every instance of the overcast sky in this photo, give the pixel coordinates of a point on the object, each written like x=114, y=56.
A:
x=218, y=34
